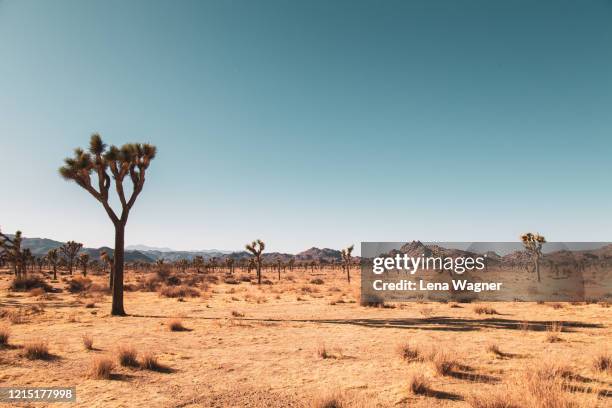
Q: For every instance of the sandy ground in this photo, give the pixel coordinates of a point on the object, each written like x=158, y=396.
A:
x=258, y=346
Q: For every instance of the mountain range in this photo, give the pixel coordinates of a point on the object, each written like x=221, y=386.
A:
x=143, y=253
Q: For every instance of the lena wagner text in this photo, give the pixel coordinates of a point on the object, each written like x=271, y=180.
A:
x=406, y=285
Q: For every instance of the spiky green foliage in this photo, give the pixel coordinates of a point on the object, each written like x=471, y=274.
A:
x=256, y=248
x=101, y=162
x=346, y=261
x=53, y=258
x=11, y=251
x=70, y=251
x=84, y=261
x=533, y=244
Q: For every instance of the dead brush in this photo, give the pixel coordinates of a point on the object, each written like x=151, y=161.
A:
x=36, y=292
x=87, y=341
x=149, y=362
x=487, y=310
x=410, y=353
x=127, y=356
x=333, y=400
x=236, y=313
x=36, y=350
x=323, y=352
x=418, y=384
x=443, y=363
x=495, y=350
x=101, y=368
x=5, y=334
x=603, y=362
x=178, y=291
x=553, y=332
x=176, y=325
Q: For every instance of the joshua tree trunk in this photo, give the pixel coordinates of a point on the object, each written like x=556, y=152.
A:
x=537, y=267
x=258, y=271
x=117, y=271
x=54, y=272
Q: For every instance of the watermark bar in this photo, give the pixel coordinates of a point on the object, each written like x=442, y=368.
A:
x=37, y=394
x=486, y=271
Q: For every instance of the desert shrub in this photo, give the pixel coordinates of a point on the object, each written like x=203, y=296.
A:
x=101, y=368
x=418, y=384
x=5, y=334
x=150, y=284
x=178, y=291
x=15, y=316
x=231, y=281
x=212, y=278
x=494, y=349
x=149, y=362
x=323, y=352
x=245, y=278
x=603, y=362
x=267, y=282
x=236, y=313
x=27, y=283
x=36, y=350
x=372, y=301
x=130, y=287
x=409, y=353
x=87, y=341
x=443, y=363
x=127, y=356
x=317, y=281
x=553, y=331
x=173, y=280
x=79, y=284
x=176, y=325
x=485, y=310
x=329, y=401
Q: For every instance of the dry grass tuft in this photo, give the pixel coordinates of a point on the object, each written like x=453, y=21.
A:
x=492, y=399
x=485, y=310
x=603, y=362
x=329, y=401
x=418, y=384
x=5, y=334
x=443, y=363
x=494, y=349
x=101, y=368
x=409, y=353
x=37, y=292
x=178, y=291
x=553, y=332
x=236, y=313
x=176, y=325
x=323, y=352
x=36, y=350
x=127, y=356
x=87, y=341
x=149, y=362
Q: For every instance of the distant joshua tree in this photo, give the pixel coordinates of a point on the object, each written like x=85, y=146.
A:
x=291, y=264
x=229, y=262
x=278, y=266
x=84, y=261
x=107, y=260
x=198, y=263
x=256, y=248
x=70, y=250
x=12, y=252
x=346, y=261
x=53, y=258
x=131, y=160
x=182, y=264
x=533, y=244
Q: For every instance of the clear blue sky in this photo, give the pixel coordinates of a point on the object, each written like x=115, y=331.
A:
x=315, y=122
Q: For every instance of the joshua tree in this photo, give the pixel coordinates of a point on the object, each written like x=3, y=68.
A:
x=130, y=160
x=198, y=263
x=182, y=264
x=346, y=260
x=278, y=266
x=256, y=248
x=70, y=250
x=533, y=245
x=53, y=257
x=229, y=262
x=11, y=248
x=107, y=260
x=291, y=264
x=84, y=261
